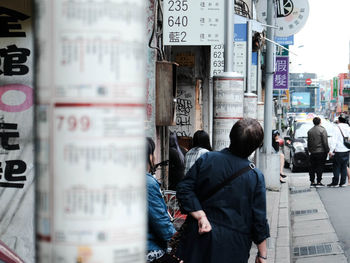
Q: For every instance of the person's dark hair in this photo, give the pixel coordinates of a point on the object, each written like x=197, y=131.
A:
x=275, y=144
x=275, y=133
x=173, y=143
x=342, y=118
x=316, y=121
x=201, y=139
x=246, y=136
x=150, y=147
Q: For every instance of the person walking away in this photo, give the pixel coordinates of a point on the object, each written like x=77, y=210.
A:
x=160, y=228
x=276, y=147
x=201, y=145
x=223, y=226
x=340, y=152
x=176, y=162
x=317, y=145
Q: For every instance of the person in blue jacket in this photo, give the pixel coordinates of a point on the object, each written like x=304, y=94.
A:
x=160, y=228
x=223, y=227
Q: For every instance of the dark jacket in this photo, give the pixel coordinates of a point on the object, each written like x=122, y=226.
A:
x=160, y=228
x=317, y=140
x=237, y=212
x=176, y=168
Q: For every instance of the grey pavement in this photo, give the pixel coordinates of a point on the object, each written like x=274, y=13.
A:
x=279, y=219
x=313, y=236
x=336, y=202
x=300, y=227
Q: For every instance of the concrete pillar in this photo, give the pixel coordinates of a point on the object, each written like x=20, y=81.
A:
x=269, y=164
x=91, y=131
x=261, y=113
x=228, y=106
x=250, y=105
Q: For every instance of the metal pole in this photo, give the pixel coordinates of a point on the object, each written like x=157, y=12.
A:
x=270, y=52
x=229, y=35
x=279, y=111
x=258, y=79
x=249, y=57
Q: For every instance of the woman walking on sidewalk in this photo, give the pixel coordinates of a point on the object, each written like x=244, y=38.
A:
x=225, y=197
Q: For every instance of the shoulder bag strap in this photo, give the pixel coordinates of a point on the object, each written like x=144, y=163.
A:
x=341, y=132
x=251, y=166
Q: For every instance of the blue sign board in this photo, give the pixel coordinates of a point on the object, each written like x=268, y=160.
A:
x=255, y=58
x=285, y=40
x=280, y=78
x=240, y=32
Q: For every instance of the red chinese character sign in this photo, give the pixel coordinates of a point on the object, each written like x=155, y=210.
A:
x=16, y=129
x=280, y=78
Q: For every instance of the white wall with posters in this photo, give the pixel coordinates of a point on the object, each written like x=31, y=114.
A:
x=16, y=128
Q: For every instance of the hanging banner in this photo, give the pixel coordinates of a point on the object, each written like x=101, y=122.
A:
x=280, y=77
x=16, y=129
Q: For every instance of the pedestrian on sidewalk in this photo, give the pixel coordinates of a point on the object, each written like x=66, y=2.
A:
x=340, y=152
x=276, y=146
x=160, y=228
x=200, y=145
x=317, y=145
x=222, y=228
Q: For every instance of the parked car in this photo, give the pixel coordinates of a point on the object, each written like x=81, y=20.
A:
x=296, y=154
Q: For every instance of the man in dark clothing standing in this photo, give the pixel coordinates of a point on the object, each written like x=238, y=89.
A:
x=317, y=144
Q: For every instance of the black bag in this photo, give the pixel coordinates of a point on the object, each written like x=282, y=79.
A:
x=345, y=139
x=179, y=235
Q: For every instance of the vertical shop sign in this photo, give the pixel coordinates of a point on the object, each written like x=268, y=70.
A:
x=335, y=87
x=280, y=77
x=16, y=129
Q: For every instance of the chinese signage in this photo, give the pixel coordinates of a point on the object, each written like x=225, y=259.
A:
x=291, y=15
x=289, y=40
x=239, y=55
x=335, y=87
x=16, y=129
x=280, y=78
x=193, y=22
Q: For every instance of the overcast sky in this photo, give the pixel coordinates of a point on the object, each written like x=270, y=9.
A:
x=322, y=44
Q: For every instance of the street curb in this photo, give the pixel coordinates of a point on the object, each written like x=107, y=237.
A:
x=283, y=241
x=279, y=242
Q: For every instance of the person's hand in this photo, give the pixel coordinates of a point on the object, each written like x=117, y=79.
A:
x=330, y=154
x=203, y=225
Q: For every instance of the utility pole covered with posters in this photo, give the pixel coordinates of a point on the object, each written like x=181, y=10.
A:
x=90, y=114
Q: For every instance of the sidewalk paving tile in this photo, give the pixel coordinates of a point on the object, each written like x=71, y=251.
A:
x=315, y=239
